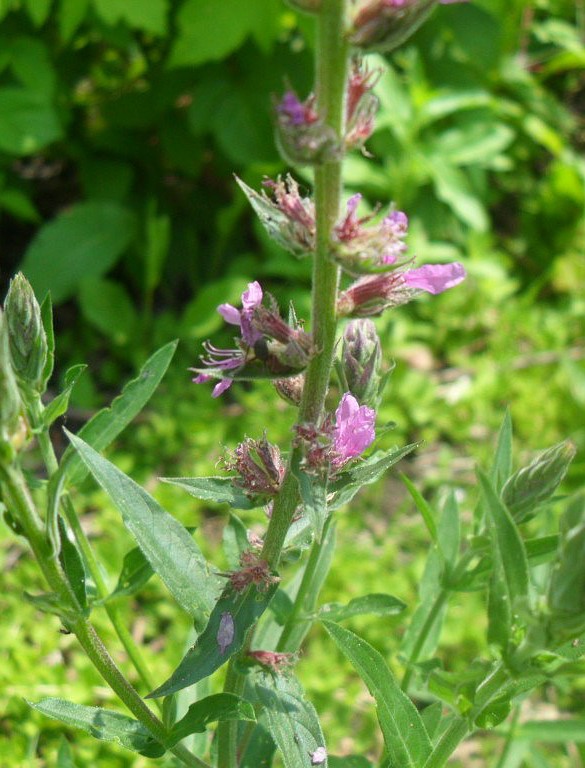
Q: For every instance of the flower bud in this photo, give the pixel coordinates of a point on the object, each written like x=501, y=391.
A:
x=26, y=335
x=536, y=483
x=383, y=25
x=290, y=389
x=302, y=136
x=10, y=403
x=360, y=358
x=566, y=595
x=259, y=466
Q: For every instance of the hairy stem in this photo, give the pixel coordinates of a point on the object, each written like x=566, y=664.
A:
x=331, y=76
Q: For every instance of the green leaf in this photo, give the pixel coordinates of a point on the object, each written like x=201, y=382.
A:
x=31, y=63
x=348, y=483
x=260, y=749
x=84, y=241
x=102, y=724
x=106, y=305
x=453, y=189
x=70, y=15
x=59, y=404
x=64, y=755
x=107, y=424
x=349, y=761
x=448, y=534
x=224, y=635
x=427, y=619
x=231, y=21
x=291, y=720
x=535, y=484
x=313, y=491
x=166, y=544
x=29, y=122
x=47, y=318
x=150, y=16
x=72, y=564
x=38, y=10
x=423, y=507
x=220, y=706
x=220, y=490
x=136, y=571
x=406, y=739
x=560, y=731
x=235, y=540
x=377, y=604
x=507, y=541
x=502, y=466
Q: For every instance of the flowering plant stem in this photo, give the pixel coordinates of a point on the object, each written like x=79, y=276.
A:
x=19, y=500
x=331, y=76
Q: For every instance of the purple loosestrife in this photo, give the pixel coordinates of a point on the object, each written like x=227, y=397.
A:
x=353, y=430
x=375, y=248
x=302, y=135
x=362, y=105
x=266, y=348
x=373, y=294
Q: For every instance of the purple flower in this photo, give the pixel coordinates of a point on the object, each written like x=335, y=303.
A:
x=353, y=431
x=251, y=299
x=435, y=278
x=296, y=112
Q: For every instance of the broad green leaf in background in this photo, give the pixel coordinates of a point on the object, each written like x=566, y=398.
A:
x=106, y=305
x=38, y=10
x=151, y=16
x=201, y=317
x=167, y=545
x=374, y=604
x=291, y=721
x=107, y=424
x=84, y=241
x=70, y=15
x=219, y=706
x=231, y=618
x=102, y=724
x=31, y=63
x=563, y=731
x=349, y=761
x=348, y=483
x=220, y=490
x=29, y=123
x=406, y=739
x=453, y=189
x=65, y=756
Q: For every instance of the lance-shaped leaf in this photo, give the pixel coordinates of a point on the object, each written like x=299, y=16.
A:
x=72, y=564
x=313, y=490
x=348, y=483
x=107, y=424
x=224, y=635
x=102, y=724
x=502, y=465
x=136, y=571
x=219, y=706
x=166, y=544
x=509, y=582
x=59, y=404
x=291, y=720
x=406, y=739
x=220, y=490
x=377, y=604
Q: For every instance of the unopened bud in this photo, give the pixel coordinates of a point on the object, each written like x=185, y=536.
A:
x=566, y=596
x=259, y=466
x=383, y=25
x=10, y=403
x=536, y=483
x=290, y=389
x=26, y=335
x=302, y=136
x=361, y=357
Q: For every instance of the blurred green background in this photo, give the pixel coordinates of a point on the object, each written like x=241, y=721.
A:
x=122, y=123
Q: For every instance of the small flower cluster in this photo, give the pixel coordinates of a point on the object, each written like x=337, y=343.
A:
x=337, y=440
x=275, y=662
x=267, y=347
x=259, y=466
x=254, y=571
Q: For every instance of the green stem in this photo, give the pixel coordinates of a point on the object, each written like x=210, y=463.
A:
x=35, y=409
x=421, y=639
x=20, y=503
x=331, y=77
x=296, y=626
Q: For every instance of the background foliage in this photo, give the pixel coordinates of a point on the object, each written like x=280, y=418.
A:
x=121, y=125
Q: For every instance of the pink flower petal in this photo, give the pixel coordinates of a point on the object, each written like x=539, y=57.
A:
x=221, y=387
x=253, y=296
x=229, y=313
x=435, y=278
x=354, y=429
